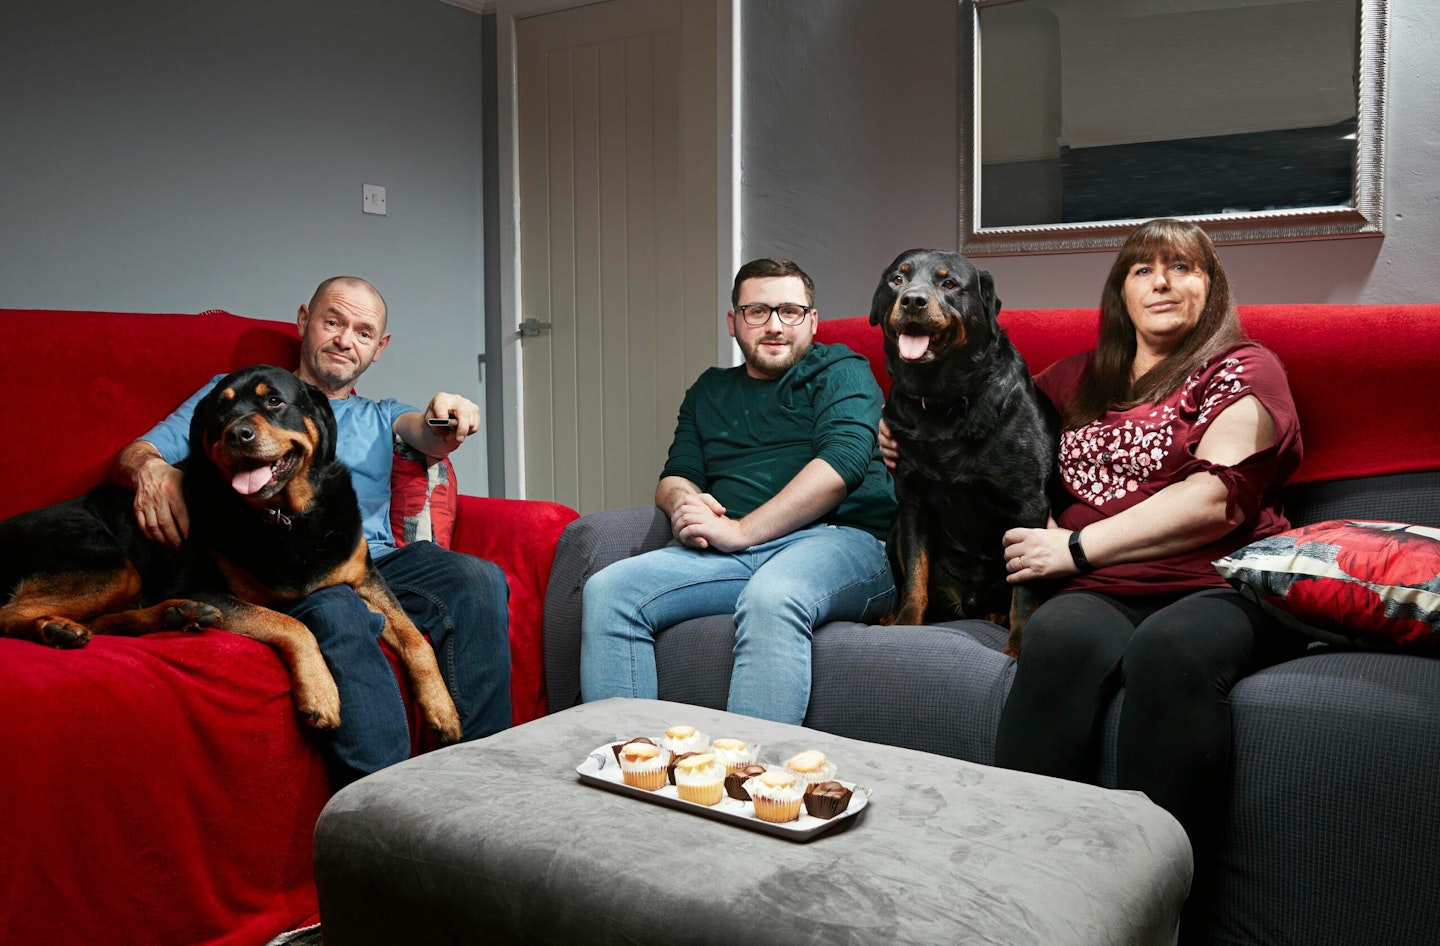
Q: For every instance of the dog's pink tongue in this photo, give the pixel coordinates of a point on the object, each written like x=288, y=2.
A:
x=913, y=346
x=248, y=482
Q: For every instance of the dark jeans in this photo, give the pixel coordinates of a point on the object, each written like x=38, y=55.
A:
x=461, y=603
x=1177, y=657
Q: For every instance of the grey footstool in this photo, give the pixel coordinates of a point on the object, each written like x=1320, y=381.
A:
x=498, y=841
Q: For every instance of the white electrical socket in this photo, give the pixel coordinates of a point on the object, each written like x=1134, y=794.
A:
x=372, y=199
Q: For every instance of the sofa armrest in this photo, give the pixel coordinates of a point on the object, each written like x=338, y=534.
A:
x=520, y=536
x=588, y=545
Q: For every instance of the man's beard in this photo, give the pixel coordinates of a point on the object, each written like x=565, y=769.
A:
x=774, y=364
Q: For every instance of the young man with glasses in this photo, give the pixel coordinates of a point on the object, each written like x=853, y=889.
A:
x=779, y=504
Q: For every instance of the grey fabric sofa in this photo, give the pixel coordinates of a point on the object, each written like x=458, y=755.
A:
x=1333, y=828
x=1333, y=835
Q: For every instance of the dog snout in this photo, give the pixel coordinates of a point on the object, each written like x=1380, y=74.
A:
x=914, y=303
x=241, y=434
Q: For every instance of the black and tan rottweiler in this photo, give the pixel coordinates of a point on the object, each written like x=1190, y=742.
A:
x=273, y=518
x=977, y=443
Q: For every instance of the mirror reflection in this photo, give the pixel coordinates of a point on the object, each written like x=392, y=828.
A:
x=1106, y=110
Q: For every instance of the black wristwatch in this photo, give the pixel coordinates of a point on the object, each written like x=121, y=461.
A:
x=1077, y=553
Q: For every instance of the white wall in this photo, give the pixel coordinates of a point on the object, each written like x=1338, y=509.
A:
x=182, y=155
x=863, y=93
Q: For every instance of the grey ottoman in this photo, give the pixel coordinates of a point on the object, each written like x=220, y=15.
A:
x=498, y=841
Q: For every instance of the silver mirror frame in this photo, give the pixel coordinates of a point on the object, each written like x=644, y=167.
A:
x=1365, y=218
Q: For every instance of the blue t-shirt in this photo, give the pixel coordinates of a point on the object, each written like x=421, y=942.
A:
x=365, y=444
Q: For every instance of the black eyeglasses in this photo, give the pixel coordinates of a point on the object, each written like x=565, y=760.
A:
x=758, y=313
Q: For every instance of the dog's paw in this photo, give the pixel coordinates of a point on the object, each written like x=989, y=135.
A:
x=318, y=702
x=444, y=721
x=62, y=633
x=191, y=616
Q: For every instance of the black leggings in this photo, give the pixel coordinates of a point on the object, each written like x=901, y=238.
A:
x=1177, y=657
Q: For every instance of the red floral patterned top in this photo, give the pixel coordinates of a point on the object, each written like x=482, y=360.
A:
x=1126, y=456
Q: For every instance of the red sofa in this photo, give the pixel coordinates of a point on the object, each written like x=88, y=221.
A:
x=161, y=789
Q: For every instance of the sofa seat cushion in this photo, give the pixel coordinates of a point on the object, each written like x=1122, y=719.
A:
x=146, y=773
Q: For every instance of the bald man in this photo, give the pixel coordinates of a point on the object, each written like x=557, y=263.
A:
x=460, y=602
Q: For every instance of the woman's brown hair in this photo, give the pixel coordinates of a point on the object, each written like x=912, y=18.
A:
x=1107, y=385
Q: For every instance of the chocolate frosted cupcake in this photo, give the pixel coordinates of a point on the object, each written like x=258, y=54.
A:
x=827, y=799
x=735, y=781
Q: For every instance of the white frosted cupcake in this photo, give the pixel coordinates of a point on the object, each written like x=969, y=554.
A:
x=685, y=739
x=700, y=778
x=810, y=767
x=776, y=795
x=643, y=765
x=732, y=753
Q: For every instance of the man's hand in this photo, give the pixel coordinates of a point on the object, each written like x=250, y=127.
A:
x=465, y=413
x=415, y=428
x=160, y=507
x=699, y=521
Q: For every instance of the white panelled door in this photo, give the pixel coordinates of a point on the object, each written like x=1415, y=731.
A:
x=617, y=187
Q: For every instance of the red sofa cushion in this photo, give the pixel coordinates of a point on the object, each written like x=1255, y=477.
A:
x=78, y=386
x=1363, y=376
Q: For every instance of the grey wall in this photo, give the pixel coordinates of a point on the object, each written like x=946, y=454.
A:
x=182, y=155
x=849, y=139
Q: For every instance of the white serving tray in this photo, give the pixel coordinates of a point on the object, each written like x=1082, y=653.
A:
x=602, y=771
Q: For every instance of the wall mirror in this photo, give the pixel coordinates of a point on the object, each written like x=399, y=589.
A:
x=1259, y=119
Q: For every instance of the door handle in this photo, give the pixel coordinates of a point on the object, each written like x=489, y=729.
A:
x=532, y=327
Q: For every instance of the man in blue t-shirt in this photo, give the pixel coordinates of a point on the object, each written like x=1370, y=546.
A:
x=460, y=602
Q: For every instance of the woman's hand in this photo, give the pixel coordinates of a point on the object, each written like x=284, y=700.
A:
x=1038, y=553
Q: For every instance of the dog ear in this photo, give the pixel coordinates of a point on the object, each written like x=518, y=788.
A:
x=884, y=296
x=203, y=408
x=987, y=293
x=882, y=300
x=325, y=418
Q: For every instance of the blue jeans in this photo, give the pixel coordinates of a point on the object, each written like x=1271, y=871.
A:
x=778, y=591
x=462, y=604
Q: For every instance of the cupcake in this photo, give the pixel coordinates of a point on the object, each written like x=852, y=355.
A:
x=675, y=760
x=735, y=781
x=621, y=745
x=827, y=799
x=732, y=753
x=699, y=778
x=810, y=767
x=643, y=765
x=685, y=739
x=776, y=796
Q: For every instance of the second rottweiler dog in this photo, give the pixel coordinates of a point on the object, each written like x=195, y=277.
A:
x=977, y=443
x=273, y=518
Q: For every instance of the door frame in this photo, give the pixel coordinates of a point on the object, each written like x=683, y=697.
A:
x=511, y=440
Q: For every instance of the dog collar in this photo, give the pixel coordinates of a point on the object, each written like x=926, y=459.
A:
x=278, y=517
